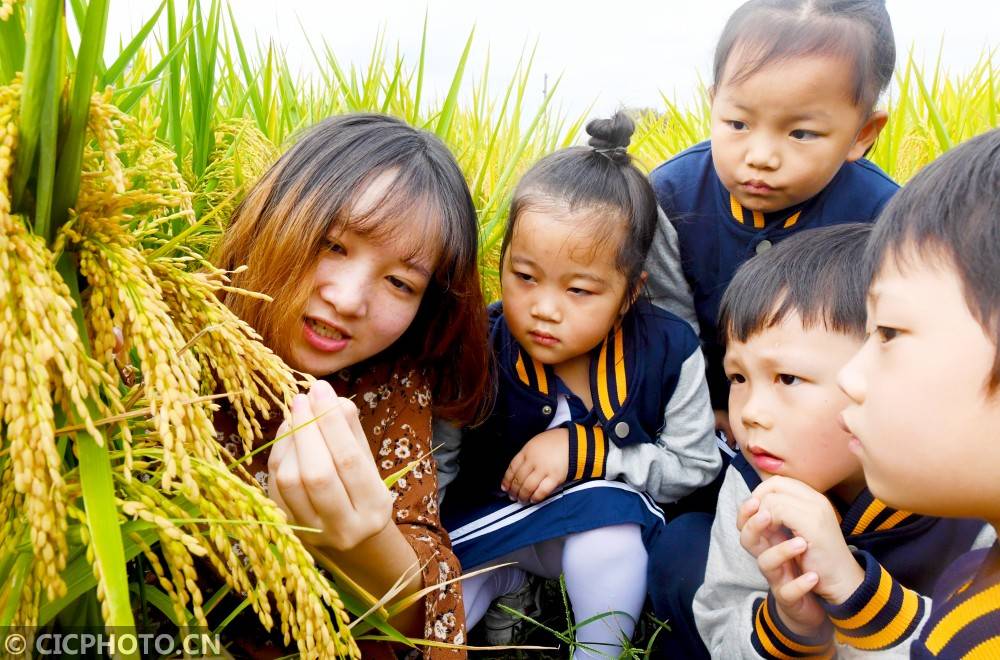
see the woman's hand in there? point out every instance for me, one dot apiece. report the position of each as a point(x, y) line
point(324, 475)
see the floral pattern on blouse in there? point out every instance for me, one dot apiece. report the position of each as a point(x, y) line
point(394, 404)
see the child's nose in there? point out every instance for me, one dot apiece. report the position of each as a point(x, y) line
point(851, 380)
point(754, 413)
point(761, 154)
point(544, 309)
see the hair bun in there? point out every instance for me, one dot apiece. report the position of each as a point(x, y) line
point(610, 137)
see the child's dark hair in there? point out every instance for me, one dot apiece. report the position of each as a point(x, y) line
point(598, 178)
point(766, 31)
point(281, 227)
point(814, 273)
point(949, 213)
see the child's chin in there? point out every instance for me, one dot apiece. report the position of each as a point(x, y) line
point(763, 205)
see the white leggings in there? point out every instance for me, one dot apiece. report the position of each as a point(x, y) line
point(605, 571)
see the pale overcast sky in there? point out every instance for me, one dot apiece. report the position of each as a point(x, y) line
point(611, 53)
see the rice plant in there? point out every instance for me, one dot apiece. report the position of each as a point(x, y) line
point(115, 180)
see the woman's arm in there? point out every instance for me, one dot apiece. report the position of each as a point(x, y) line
point(376, 564)
point(330, 476)
point(324, 477)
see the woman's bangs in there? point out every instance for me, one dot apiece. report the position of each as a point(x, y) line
point(406, 218)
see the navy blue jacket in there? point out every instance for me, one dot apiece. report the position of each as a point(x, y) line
point(716, 234)
point(634, 372)
point(911, 547)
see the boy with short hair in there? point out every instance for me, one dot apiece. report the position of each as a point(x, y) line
point(791, 319)
point(925, 388)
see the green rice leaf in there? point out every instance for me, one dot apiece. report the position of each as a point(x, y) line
point(71, 154)
point(944, 140)
point(11, 45)
point(113, 75)
point(42, 25)
point(443, 128)
point(49, 128)
point(18, 576)
point(136, 92)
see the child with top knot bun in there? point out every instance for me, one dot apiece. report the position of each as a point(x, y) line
point(601, 408)
point(794, 95)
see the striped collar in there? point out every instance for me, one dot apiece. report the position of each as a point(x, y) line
point(870, 514)
point(759, 219)
point(534, 374)
point(611, 367)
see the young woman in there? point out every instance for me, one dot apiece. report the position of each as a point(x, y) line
point(365, 237)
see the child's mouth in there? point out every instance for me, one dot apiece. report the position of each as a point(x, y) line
point(756, 187)
point(543, 338)
point(853, 444)
point(764, 461)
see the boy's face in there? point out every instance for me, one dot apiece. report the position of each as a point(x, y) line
point(927, 429)
point(784, 405)
point(780, 136)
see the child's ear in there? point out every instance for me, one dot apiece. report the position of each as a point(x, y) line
point(867, 135)
point(634, 294)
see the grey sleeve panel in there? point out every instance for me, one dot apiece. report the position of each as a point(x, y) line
point(986, 538)
point(447, 438)
point(667, 287)
point(723, 605)
point(684, 455)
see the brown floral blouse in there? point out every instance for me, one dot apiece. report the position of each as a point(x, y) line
point(394, 402)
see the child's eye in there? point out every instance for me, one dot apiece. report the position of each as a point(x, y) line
point(804, 135)
point(736, 378)
point(788, 379)
point(737, 125)
point(399, 284)
point(579, 292)
point(523, 276)
point(335, 247)
point(884, 334)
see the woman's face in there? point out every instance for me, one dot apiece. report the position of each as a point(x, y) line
point(364, 293)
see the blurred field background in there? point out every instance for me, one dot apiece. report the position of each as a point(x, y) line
point(257, 98)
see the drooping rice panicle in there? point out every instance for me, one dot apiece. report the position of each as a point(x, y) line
point(43, 365)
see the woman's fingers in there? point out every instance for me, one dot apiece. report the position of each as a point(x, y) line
point(279, 448)
point(287, 480)
point(355, 465)
point(353, 417)
point(318, 472)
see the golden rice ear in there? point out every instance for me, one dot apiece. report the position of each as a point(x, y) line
point(167, 468)
point(44, 367)
point(241, 155)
